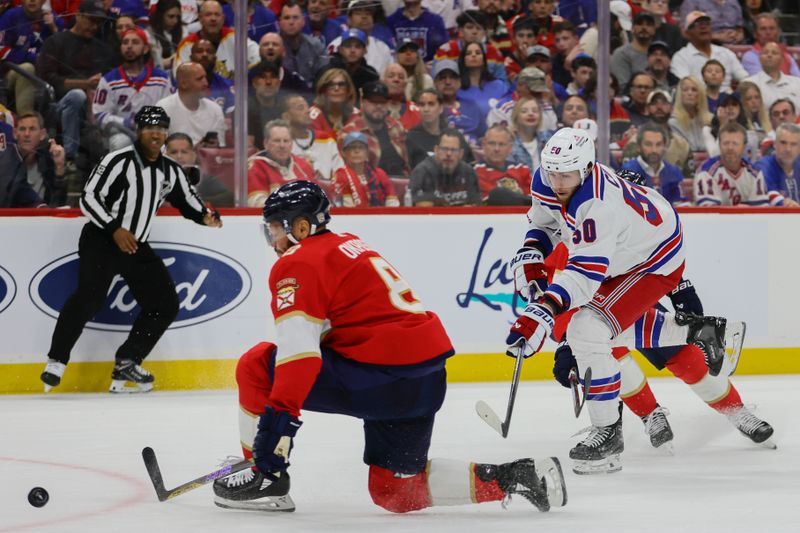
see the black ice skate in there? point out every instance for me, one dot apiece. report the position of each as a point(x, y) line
point(752, 427)
point(658, 429)
point(708, 334)
point(540, 482)
point(125, 371)
point(53, 372)
point(599, 453)
point(251, 490)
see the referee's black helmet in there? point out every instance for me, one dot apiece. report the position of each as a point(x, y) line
point(151, 115)
point(298, 199)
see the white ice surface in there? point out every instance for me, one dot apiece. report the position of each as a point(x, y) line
point(85, 450)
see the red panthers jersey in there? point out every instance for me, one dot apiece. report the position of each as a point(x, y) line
point(514, 177)
point(333, 291)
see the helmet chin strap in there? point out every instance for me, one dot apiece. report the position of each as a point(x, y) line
point(292, 238)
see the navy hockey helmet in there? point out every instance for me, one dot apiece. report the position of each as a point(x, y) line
point(297, 199)
point(632, 176)
point(151, 115)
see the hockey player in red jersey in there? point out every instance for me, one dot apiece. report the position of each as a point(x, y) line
point(353, 339)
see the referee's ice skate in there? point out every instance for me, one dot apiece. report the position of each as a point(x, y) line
point(127, 371)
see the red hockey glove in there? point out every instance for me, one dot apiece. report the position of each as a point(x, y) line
point(530, 276)
point(530, 330)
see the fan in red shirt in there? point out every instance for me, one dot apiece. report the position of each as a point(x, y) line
point(501, 183)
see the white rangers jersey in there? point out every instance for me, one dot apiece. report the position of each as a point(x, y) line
point(611, 227)
point(716, 185)
point(119, 97)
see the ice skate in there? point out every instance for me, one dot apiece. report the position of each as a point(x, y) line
point(658, 429)
point(599, 453)
point(53, 372)
point(125, 371)
point(708, 334)
point(540, 482)
point(752, 427)
point(251, 490)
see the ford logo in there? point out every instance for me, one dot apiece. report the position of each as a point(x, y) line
point(8, 289)
point(209, 284)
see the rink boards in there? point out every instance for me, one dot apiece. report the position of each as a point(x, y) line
point(743, 263)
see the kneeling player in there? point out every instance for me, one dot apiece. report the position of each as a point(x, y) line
point(354, 340)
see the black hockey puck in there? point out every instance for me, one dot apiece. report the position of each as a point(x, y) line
point(38, 497)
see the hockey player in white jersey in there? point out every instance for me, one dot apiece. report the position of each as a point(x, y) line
point(626, 251)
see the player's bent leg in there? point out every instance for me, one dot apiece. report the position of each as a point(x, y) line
point(255, 385)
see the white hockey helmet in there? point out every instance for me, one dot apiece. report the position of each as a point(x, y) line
point(569, 149)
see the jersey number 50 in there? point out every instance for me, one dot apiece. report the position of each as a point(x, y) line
point(399, 291)
point(636, 197)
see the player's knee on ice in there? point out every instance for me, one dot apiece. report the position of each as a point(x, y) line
point(398, 494)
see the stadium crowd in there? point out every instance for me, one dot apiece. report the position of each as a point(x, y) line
point(404, 102)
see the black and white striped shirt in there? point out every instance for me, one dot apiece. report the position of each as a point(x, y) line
point(125, 190)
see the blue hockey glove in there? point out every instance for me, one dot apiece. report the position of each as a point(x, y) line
point(564, 363)
point(273, 442)
point(684, 298)
point(530, 276)
point(530, 330)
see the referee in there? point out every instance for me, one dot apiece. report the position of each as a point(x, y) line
point(121, 199)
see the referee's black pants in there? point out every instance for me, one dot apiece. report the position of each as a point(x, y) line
point(149, 282)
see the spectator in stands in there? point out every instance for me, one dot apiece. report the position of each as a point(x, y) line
point(165, 33)
point(523, 31)
point(754, 110)
point(689, 60)
point(349, 56)
point(690, 113)
point(264, 104)
point(270, 48)
point(464, 115)
point(318, 24)
point(582, 69)
point(334, 102)
point(447, 9)
point(632, 57)
point(542, 13)
point(358, 183)
point(780, 170)
point(23, 31)
point(444, 179)
point(275, 165)
point(412, 21)
point(750, 11)
point(212, 27)
point(567, 48)
point(774, 84)
point(400, 107)
point(191, 112)
point(730, 110)
point(652, 141)
point(727, 23)
point(639, 89)
point(417, 75)
point(421, 139)
point(729, 179)
point(472, 29)
point(114, 39)
point(768, 31)
point(529, 136)
point(713, 74)
point(320, 150)
point(665, 31)
point(387, 138)
point(220, 88)
point(361, 16)
point(32, 172)
point(260, 19)
point(782, 111)
point(477, 83)
point(496, 30)
point(659, 60)
point(620, 127)
point(575, 108)
point(502, 183)
point(73, 62)
point(180, 147)
point(302, 54)
point(123, 91)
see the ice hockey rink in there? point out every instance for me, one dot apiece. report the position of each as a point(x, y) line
point(85, 450)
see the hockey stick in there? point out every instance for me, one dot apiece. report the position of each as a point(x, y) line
point(579, 399)
point(734, 341)
point(488, 415)
point(151, 463)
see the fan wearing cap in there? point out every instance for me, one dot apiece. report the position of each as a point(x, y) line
point(412, 21)
point(360, 16)
point(689, 60)
point(727, 21)
point(358, 183)
point(385, 135)
point(350, 57)
point(659, 60)
point(463, 114)
point(632, 57)
point(127, 88)
point(472, 29)
point(417, 75)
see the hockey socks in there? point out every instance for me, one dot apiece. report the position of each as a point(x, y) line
point(255, 387)
point(634, 389)
point(717, 391)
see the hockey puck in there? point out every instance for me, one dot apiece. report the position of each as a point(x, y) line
point(38, 497)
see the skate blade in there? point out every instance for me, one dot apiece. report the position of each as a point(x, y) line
point(550, 470)
point(666, 449)
point(119, 386)
point(269, 504)
point(768, 444)
point(609, 465)
point(47, 388)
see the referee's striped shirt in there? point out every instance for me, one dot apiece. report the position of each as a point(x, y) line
point(125, 190)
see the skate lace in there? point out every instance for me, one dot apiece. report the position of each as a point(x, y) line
point(55, 368)
point(656, 421)
point(141, 371)
point(596, 435)
point(746, 421)
point(240, 478)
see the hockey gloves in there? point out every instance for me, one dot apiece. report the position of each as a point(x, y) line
point(684, 298)
point(530, 276)
point(273, 442)
point(564, 363)
point(530, 331)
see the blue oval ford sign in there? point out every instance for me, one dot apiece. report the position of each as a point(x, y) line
point(8, 289)
point(209, 284)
